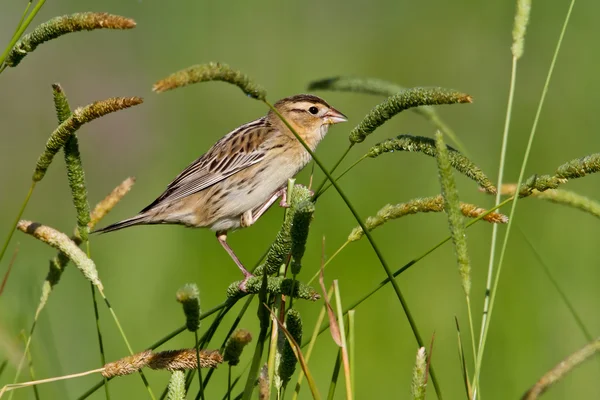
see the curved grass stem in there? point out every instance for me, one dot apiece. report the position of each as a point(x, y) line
point(354, 164)
point(319, 191)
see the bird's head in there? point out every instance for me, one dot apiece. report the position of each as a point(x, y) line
point(309, 115)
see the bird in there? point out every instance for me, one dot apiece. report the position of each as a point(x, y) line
point(243, 174)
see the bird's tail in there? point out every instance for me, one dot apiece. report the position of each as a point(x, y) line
point(139, 219)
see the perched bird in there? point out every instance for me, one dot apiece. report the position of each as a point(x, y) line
point(243, 174)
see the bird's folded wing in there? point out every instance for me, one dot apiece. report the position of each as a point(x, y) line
point(237, 151)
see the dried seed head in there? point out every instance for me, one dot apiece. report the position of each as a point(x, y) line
point(108, 203)
point(127, 365)
point(62, 242)
point(233, 350)
point(172, 360)
point(263, 383)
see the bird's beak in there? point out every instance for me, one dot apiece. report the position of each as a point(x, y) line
point(333, 116)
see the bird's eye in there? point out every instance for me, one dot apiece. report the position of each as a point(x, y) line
point(313, 110)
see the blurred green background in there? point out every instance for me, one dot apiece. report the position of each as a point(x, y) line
point(460, 44)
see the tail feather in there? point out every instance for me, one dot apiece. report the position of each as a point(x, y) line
point(139, 219)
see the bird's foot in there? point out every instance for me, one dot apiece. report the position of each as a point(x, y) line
point(242, 284)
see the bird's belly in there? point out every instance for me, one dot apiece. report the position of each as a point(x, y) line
point(264, 183)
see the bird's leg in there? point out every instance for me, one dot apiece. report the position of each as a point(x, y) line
point(251, 216)
point(283, 203)
point(222, 237)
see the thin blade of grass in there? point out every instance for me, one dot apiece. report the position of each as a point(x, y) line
point(463, 363)
point(7, 273)
point(342, 329)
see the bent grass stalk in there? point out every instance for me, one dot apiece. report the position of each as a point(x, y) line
point(513, 207)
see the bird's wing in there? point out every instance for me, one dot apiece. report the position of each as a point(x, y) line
point(235, 152)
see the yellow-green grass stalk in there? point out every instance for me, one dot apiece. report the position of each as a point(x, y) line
point(493, 292)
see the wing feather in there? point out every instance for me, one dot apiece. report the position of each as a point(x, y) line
point(235, 152)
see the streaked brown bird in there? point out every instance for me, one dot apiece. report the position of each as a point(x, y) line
point(243, 174)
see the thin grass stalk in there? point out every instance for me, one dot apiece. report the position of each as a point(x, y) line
point(11, 263)
point(274, 358)
point(263, 317)
point(124, 337)
point(13, 386)
point(352, 346)
point(36, 394)
point(561, 293)
point(342, 329)
point(311, 345)
point(29, 2)
point(100, 342)
point(17, 219)
point(503, 151)
point(337, 178)
point(229, 387)
point(520, 180)
point(319, 191)
point(463, 363)
point(18, 34)
point(200, 381)
point(334, 375)
point(3, 365)
point(369, 237)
